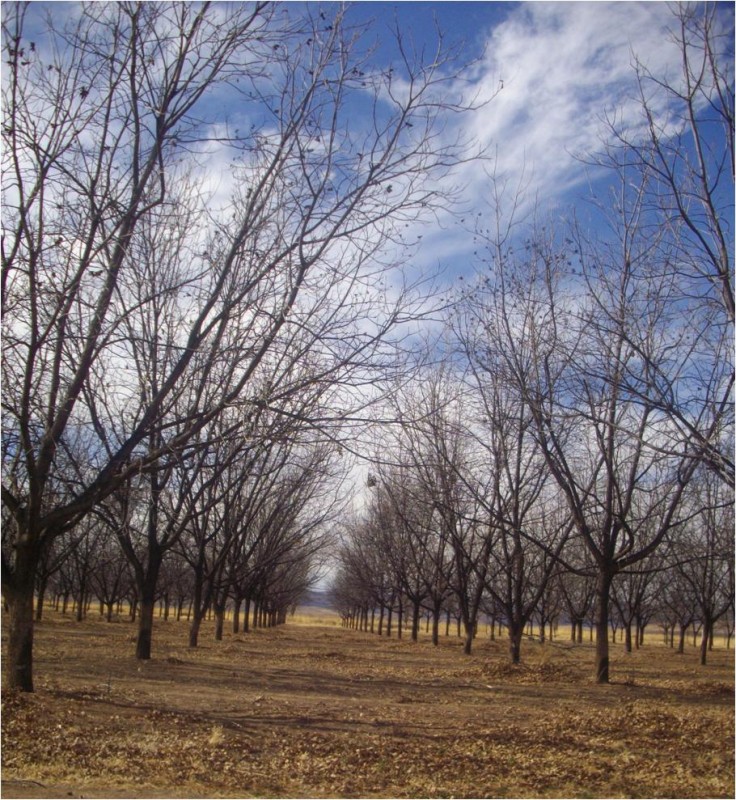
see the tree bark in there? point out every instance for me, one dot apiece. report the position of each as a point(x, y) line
point(603, 595)
point(219, 622)
point(515, 633)
point(40, 597)
point(707, 629)
point(147, 607)
point(18, 590)
point(19, 658)
point(415, 621)
point(436, 625)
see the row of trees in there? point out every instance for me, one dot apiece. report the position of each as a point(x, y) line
point(582, 421)
point(399, 565)
point(162, 328)
point(181, 354)
point(241, 525)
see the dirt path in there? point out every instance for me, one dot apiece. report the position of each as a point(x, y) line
point(307, 711)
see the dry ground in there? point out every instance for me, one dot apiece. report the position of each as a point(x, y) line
point(317, 711)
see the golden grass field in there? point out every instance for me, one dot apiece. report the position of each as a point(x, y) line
point(312, 710)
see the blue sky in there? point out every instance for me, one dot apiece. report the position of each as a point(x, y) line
point(563, 68)
point(550, 73)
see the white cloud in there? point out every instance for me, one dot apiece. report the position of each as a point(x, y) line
point(558, 69)
point(551, 73)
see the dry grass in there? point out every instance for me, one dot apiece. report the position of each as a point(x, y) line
point(311, 710)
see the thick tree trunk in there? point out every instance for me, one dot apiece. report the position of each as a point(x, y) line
point(19, 652)
point(147, 607)
point(603, 595)
point(469, 626)
point(219, 622)
point(144, 641)
point(194, 627)
point(18, 591)
point(515, 634)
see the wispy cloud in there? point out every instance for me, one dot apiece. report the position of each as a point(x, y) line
point(558, 69)
point(551, 73)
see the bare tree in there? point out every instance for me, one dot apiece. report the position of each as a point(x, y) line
point(106, 132)
point(680, 154)
point(562, 343)
point(705, 554)
point(512, 483)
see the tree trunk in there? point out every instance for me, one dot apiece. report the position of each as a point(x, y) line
point(40, 598)
point(603, 594)
point(628, 640)
point(246, 615)
point(436, 624)
point(681, 642)
point(515, 633)
point(707, 629)
point(194, 629)
point(219, 622)
point(147, 606)
point(415, 621)
point(468, 644)
point(237, 601)
point(19, 652)
point(80, 605)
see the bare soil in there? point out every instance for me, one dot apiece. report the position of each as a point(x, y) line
point(318, 711)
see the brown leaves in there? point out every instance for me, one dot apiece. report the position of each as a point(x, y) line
point(328, 713)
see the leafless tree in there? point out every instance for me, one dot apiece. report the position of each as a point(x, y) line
point(679, 153)
point(563, 348)
point(106, 131)
point(704, 554)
